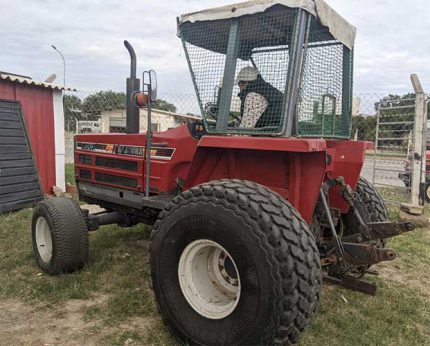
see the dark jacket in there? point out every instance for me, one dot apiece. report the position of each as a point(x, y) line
point(272, 115)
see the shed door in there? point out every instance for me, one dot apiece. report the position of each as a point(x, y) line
point(19, 182)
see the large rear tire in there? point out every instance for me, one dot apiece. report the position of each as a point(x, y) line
point(233, 263)
point(60, 236)
point(372, 208)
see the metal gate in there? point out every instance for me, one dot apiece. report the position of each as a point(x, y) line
point(394, 149)
point(399, 159)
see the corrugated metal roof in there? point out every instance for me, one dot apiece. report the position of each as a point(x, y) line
point(29, 81)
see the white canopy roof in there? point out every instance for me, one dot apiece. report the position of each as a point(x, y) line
point(341, 30)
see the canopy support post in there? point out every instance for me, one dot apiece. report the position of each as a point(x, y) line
point(295, 71)
point(228, 78)
point(346, 89)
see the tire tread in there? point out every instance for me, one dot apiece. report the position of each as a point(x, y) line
point(281, 231)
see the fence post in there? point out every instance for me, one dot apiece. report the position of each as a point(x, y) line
point(419, 157)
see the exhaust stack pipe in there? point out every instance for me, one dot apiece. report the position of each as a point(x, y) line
point(133, 84)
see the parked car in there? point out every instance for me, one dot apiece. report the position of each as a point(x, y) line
point(89, 127)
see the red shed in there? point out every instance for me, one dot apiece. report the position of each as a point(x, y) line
point(42, 105)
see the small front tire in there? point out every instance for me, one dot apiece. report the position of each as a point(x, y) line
point(60, 236)
point(427, 193)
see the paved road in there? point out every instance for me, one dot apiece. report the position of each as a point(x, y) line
point(386, 172)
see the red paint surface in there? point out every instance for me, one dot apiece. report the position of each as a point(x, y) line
point(348, 159)
point(293, 167)
point(38, 109)
point(264, 143)
point(163, 173)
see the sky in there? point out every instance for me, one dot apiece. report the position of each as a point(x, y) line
point(393, 41)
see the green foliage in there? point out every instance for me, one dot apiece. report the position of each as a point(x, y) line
point(398, 121)
point(72, 111)
point(104, 100)
point(164, 106)
point(394, 100)
point(70, 173)
point(365, 127)
point(108, 100)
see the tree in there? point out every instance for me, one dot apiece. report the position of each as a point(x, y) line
point(103, 100)
point(72, 111)
point(164, 106)
point(394, 100)
point(398, 122)
point(365, 127)
point(108, 100)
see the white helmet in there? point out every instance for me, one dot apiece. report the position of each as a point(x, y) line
point(247, 74)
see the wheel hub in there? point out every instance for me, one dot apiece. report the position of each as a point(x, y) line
point(209, 279)
point(43, 239)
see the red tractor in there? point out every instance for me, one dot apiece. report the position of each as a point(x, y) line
point(252, 206)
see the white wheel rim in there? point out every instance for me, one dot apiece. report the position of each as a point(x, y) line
point(43, 239)
point(428, 192)
point(209, 279)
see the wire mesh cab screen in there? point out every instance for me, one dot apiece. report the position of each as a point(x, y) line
point(257, 75)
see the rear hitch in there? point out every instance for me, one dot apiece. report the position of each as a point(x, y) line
point(359, 249)
point(366, 254)
point(385, 230)
point(381, 230)
point(370, 230)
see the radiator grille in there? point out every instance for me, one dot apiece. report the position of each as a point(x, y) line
point(116, 163)
point(85, 159)
point(84, 174)
point(116, 180)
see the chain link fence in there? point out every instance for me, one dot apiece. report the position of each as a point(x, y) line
point(385, 120)
point(94, 105)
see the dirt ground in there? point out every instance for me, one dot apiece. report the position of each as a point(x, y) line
point(25, 324)
point(22, 324)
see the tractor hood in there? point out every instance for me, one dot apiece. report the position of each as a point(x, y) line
point(338, 27)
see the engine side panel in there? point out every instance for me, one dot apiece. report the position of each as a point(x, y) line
point(293, 167)
point(118, 160)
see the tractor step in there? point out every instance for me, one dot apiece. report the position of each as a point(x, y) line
point(157, 202)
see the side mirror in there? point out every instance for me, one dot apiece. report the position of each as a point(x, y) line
point(150, 82)
point(153, 85)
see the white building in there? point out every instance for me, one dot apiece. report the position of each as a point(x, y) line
point(115, 120)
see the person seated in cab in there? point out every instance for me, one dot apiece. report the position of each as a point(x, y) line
point(261, 102)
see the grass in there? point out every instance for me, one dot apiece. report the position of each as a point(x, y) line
point(70, 173)
point(122, 307)
point(398, 315)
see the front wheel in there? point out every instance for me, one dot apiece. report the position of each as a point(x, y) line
point(60, 236)
point(427, 192)
point(233, 263)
